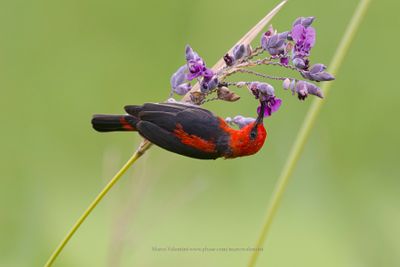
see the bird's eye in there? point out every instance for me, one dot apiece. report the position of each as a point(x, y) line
point(253, 134)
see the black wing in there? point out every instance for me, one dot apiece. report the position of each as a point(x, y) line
point(134, 110)
point(194, 120)
point(159, 123)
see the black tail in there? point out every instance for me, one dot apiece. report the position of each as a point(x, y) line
point(114, 123)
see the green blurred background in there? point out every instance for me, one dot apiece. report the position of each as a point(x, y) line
point(62, 61)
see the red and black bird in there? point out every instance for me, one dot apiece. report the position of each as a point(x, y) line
point(187, 130)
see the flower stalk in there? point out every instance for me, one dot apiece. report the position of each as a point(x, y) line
point(139, 152)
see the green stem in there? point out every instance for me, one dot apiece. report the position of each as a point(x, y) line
point(93, 205)
point(306, 128)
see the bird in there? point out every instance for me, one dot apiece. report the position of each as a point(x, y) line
point(186, 129)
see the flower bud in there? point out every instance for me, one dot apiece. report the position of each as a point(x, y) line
point(314, 90)
point(304, 88)
point(229, 60)
point(317, 68)
point(225, 94)
point(301, 89)
point(208, 85)
point(297, 21)
point(262, 88)
point(241, 84)
point(208, 74)
point(190, 54)
point(274, 43)
point(306, 22)
point(178, 80)
point(266, 89)
point(318, 74)
point(324, 77)
point(292, 86)
point(286, 83)
point(299, 63)
point(284, 35)
point(179, 76)
point(238, 51)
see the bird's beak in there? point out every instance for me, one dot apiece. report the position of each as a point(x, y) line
point(260, 116)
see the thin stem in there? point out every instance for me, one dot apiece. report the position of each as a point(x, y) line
point(256, 52)
point(306, 128)
point(264, 75)
point(272, 63)
point(145, 145)
point(265, 61)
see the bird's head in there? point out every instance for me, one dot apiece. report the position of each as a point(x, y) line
point(249, 139)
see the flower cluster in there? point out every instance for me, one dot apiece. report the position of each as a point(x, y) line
point(195, 68)
point(303, 36)
point(289, 49)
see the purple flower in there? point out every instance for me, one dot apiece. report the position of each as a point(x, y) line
point(178, 81)
point(239, 51)
point(316, 68)
point(272, 104)
point(229, 60)
point(197, 68)
point(274, 43)
point(303, 89)
point(304, 39)
point(317, 73)
point(303, 36)
point(305, 21)
point(209, 82)
point(190, 54)
point(207, 74)
point(207, 85)
point(260, 89)
point(195, 64)
point(266, 94)
point(300, 63)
